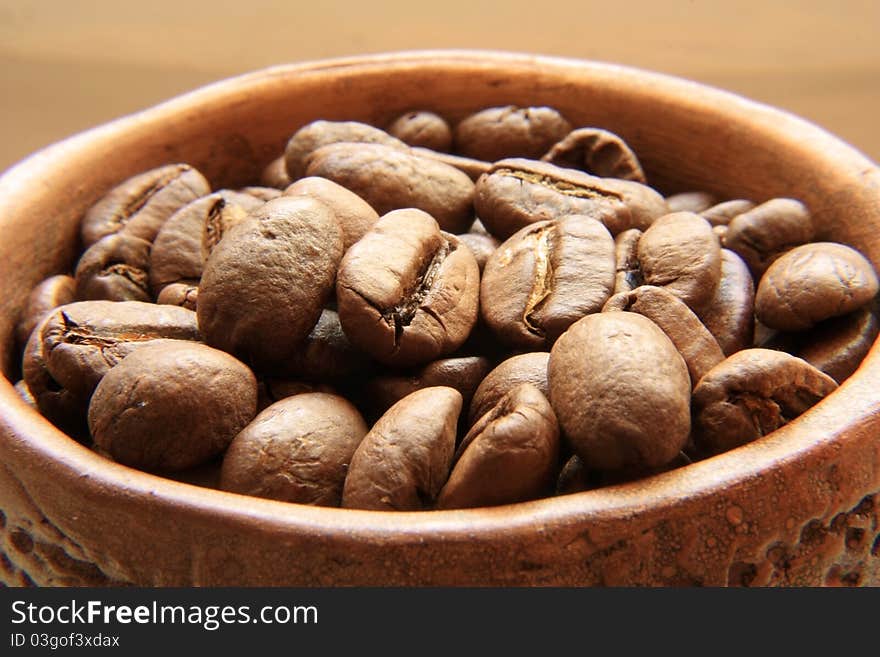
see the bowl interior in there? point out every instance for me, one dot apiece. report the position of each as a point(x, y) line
point(687, 137)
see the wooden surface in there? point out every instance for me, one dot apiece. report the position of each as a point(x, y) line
point(66, 66)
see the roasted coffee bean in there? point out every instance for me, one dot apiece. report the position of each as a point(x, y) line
point(752, 393)
point(510, 454)
point(545, 277)
point(722, 214)
point(523, 368)
point(518, 192)
point(812, 283)
point(463, 373)
point(325, 355)
point(482, 246)
point(296, 450)
point(404, 460)
point(142, 203)
point(499, 132)
point(628, 271)
point(75, 345)
point(730, 315)
point(467, 165)
point(693, 340)
point(115, 268)
point(691, 202)
point(184, 294)
point(837, 346)
point(679, 252)
point(44, 298)
point(354, 214)
point(316, 134)
point(422, 128)
point(597, 152)
point(261, 193)
point(764, 233)
point(172, 405)
point(275, 174)
point(407, 293)
point(620, 390)
point(389, 178)
point(187, 238)
point(265, 283)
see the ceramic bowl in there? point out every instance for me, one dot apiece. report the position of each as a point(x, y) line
point(798, 507)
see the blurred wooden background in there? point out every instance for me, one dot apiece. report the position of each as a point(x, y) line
point(67, 66)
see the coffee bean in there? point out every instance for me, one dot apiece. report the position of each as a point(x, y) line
point(172, 405)
point(812, 283)
point(730, 315)
point(44, 298)
point(296, 450)
point(765, 232)
point(407, 293)
point(404, 460)
point(679, 252)
point(115, 268)
point(620, 390)
point(265, 283)
point(517, 192)
point(510, 454)
point(597, 152)
point(482, 247)
point(389, 178)
point(723, 213)
point(354, 214)
point(693, 340)
point(142, 203)
point(422, 128)
point(500, 132)
point(184, 294)
point(523, 368)
point(752, 393)
point(545, 277)
point(275, 174)
point(316, 134)
point(188, 236)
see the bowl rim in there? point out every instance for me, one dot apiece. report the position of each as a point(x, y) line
point(71, 460)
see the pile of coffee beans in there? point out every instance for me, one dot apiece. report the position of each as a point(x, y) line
point(434, 316)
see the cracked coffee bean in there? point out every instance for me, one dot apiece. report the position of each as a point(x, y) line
point(186, 240)
point(544, 278)
point(628, 271)
point(597, 152)
point(621, 391)
point(751, 394)
point(115, 268)
point(510, 455)
point(389, 178)
point(812, 283)
point(407, 293)
point(296, 450)
point(837, 346)
point(496, 133)
point(404, 460)
point(265, 283)
point(172, 405)
point(141, 204)
point(518, 192)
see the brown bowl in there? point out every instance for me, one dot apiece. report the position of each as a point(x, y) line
point(798, 507)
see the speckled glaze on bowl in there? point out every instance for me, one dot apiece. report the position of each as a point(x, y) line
point(799, 507)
